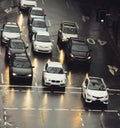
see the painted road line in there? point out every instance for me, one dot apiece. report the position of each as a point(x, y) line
point(44, 109)
point(32, 109)
point(2, 80)
point(111, 111)
point(67, 5)
point(43, 2)
point(78, 110)
point(61, 109)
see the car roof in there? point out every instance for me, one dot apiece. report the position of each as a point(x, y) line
point(54, 64)
point(43, 33)
point(17, 40)
point(37, 8)
point(78, 41)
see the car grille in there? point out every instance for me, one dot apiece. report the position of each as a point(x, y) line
point(55, 81)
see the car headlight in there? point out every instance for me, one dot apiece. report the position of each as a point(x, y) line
point(14, 74)
point(5, 37)
point(88, 95)
point(46, 79)
point(63, 81)
point(71, 55)
point(89, 57)
point(29, 75)
point(106, 97)
point(36, 46)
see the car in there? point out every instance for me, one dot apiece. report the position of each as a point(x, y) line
point(37, 25)
point(54, 75)
point(14, 46)
point(36, 12)
point(20, 69)
point(27, 4)
point(41, 42)
point(10, 30)
point(94, 89)
point(77, 51)
point(67, 29)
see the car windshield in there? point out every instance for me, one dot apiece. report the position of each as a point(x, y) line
point(79, 48)
point(69, 30)
point(55, 70)
point(17, 45)
point(43, 38)
point(97, 85)
point(11, 29)
point(39, 24)
point(21, 64)
point(37, 12)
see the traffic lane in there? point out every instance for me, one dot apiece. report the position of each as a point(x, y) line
point(38, 97)
point(42, 118)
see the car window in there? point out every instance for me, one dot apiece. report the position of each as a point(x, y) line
point(39, 24)
point(78, 47)
point(16, 45)
point(11, 29)
point(43, 38)
point(69, 30)
point(55, 70)
point(37, 12)
point(96, 85)
point(21, 64)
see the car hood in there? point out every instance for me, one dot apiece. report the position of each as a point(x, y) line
point(70, 35)
point(27, 2)
point(97, 93)
point(35, 29)
point(16, 50)
point(43, 44)
point(80, 54)
point(55, 76)
point(22, 71)
point(11, 35)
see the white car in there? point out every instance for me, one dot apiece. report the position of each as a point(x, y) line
point(41, 42)
point(27, 4)
point(10, 30)
point(94, 89)
point(53, 75)
point(36, 12)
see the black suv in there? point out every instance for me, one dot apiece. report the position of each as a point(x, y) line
point(20, 69)
point(14, 46)
point(67, 29)
point(77, 51)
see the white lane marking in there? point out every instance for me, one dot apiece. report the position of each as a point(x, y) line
point(112, 69)
point(2, 80)
point(64, 109)
point(0, 50)
point(78, 110)
point(28, 109)
point(101, 42)
point(111, 111)
point(83, 125)
point(43, 2)
point(67, 5)
point(49, 23)
point(90, 41)
point(44, 109)
point(61, 109)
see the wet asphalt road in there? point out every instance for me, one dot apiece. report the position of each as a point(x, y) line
point(35, 106)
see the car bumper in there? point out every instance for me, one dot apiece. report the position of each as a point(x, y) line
point(102, 100)
point(80, 60)
point(54, 84)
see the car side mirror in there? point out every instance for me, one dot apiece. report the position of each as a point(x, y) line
point(59, 30)
point(1, 29)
